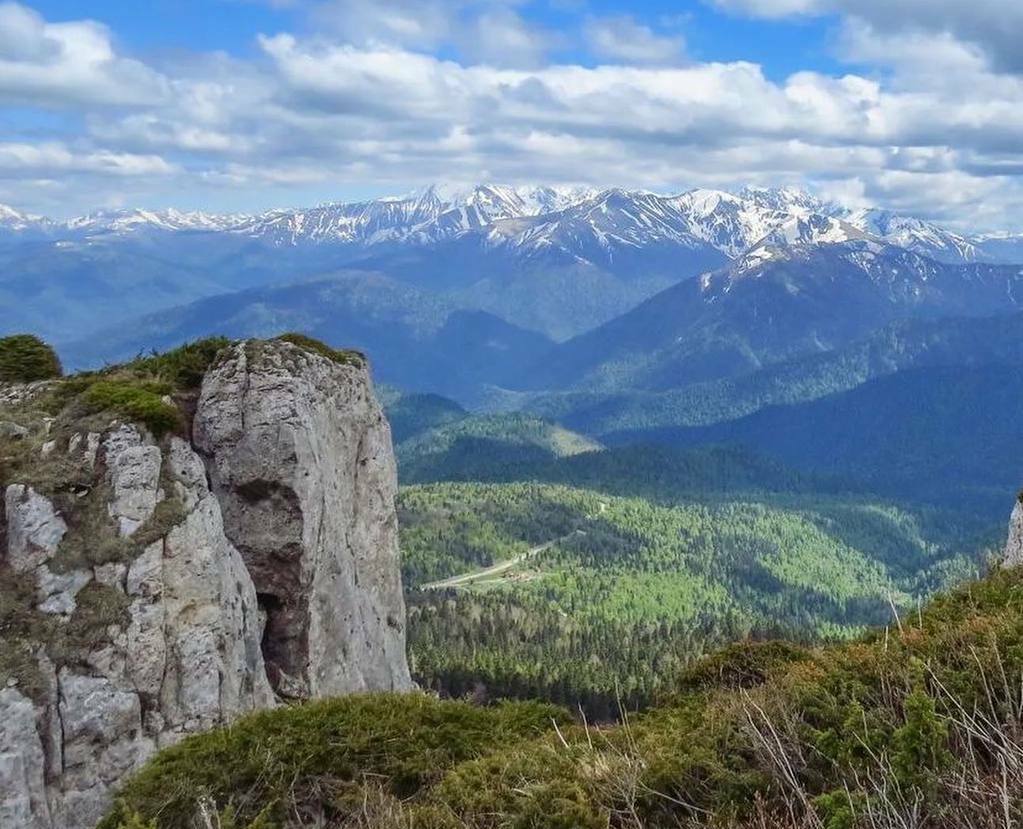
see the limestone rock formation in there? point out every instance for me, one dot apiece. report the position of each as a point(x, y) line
point(299, 453)
point(156, 605)
point(1014, 546)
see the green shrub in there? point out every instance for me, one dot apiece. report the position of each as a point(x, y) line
point(142, 402)
point(182, 367)
point(299, 757)
point(741, 665)
point(24, 358)
point(346, 357)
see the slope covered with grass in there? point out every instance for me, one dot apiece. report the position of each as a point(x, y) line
point(915, 725)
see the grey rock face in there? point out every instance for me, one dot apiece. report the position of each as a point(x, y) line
point(134, 466)
point(215, 667)
point(187, 657)
point(281, 575)
point(22, 765)
point(12, 430)
point(1014, 546)
point(34, 529)
point(300, 457)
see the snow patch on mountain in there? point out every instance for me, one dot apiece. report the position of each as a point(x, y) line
point(574, 223)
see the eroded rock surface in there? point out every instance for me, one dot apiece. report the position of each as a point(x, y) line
point(281, 576)
point(299, 453)
point(1014, 546)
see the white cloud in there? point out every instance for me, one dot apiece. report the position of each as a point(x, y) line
point(67, 64)
point(500, 36)
point(421, 24)
point(481, 31)
point(621, 38)
point(372, 109)
point(53, 157)
point(993, 26)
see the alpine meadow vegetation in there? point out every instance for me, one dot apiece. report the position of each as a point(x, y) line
point(918, 724)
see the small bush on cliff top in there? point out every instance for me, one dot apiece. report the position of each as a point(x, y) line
point(139, 390)
point(346, 357)
point(184, 366)
point(25, 358)
point(143, 403)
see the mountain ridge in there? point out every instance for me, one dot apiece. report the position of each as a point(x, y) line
point(729, 221)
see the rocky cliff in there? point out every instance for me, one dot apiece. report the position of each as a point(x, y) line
point(152, 587)
point(1014, 546)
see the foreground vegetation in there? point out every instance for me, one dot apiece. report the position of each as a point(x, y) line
point(916, 725)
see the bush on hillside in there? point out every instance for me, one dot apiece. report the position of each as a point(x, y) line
point(24, 358)
point(184, 366)
point(140, 402)
point(312, 758)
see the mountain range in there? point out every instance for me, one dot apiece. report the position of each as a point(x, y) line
point(566, 220)
point(604, 308)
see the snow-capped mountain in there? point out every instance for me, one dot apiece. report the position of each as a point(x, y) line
point(422, 217)
point(602, 223)
point(116, 222)
point(797, 232)
point(917, 235)
point(14, 222)
point(574, 223)
point(129, 221)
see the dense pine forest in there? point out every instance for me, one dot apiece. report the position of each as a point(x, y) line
point(628, 593)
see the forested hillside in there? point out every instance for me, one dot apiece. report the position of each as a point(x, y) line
point(945, 434)
point(902, 345)
point(609, 596)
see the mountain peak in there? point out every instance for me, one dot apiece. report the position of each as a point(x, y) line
point(529, 218)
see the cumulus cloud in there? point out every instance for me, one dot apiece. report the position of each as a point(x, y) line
point(346, 107)
point(621, 38)
point(67, 64)
point(994, 26)
point(480, 31)
point(18, 159)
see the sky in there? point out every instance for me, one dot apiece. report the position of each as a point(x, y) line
point(244, 105)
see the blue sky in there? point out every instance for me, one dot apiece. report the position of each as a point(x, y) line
point(782, 46)
point(242, 105)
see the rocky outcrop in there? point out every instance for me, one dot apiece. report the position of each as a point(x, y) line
point(22, 765)
point(1014, 546)
point(299, 454)
point(160, 605)
point(183, 655)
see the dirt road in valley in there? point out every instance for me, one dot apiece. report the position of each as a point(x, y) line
point(495, 569)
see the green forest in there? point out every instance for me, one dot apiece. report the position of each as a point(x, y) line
point(629, 592)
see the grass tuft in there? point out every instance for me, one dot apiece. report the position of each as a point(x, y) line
point(345, 357)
